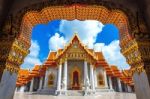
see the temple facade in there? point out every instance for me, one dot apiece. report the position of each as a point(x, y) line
point(74, 69)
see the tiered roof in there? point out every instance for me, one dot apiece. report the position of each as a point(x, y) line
point(25, 75)
point(127, 78)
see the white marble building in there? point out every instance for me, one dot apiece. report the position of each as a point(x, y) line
point(75, 69)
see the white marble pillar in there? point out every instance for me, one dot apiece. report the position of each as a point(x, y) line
point(129, 88)
point(141, 85)
point(59, 78)
point(92, 77)
point(110, 83)
point(65, 76)
point(41, 82)
point(119, 84)
point(16, 90)
point(46, 80)
point(22, 89)
point(126, 88)
point(86, 78)
point(105, 78)
point(31, 85)
point(95, 78)
point(8, 85)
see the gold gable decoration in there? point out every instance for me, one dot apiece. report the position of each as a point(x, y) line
point(76, 50)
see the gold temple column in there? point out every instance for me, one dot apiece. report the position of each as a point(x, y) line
point(31, 85)
point(15, 58)
point(137, 56)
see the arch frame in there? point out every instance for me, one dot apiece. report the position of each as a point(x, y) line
point(14, 24)
point(75, 68)
point(38, 7)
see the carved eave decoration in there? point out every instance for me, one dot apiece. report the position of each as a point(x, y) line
point(77, 45)
point(45, 4)
point(80, 12)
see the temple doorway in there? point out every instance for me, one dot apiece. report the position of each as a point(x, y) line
point(75, 84)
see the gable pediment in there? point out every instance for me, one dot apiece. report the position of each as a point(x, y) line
point(76, 50)
point(75, 47)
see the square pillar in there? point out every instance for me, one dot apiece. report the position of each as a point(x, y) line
point(59, 80)
point(64, 82)
point(22, 88)
point(41, 82)
point(105, 78)
point(31, 85)
point(86, 79)
point(95, 78)
point(129, 88)
point(119, 84)
point(46, 80)
point(110, 83)
point(92, 77)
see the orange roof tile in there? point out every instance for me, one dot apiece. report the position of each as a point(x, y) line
point(116, 71)
point(99, 55)
point(59, 51)
point(52, 55)
point(91, 50)
point(36, 68)
point(109, 71)
point(23, 77)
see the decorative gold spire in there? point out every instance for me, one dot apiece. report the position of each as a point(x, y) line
point(75, 30)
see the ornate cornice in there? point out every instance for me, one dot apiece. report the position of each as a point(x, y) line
point(39, 6)
point(138, 70)
point(16, 57)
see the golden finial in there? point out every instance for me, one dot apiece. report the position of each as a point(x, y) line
point(57, 47)
point(87, 44)
point(75, 31)
point(64, 44)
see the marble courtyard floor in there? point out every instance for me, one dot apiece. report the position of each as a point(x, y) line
point(103, 95)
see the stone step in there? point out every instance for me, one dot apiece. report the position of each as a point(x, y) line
point(104, 90)
point(46, 91)
point(75, 93)
point(72, 92)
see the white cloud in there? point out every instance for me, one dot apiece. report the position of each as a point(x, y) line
point(87, 30)
point(56, 42)
point(32, 57)
point(112, 54)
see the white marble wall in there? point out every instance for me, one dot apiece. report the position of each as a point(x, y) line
point(142, 87)
point(7, 85)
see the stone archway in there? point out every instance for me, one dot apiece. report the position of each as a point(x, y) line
point(133, 47)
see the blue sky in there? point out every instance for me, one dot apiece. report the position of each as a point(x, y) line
point(57, 33)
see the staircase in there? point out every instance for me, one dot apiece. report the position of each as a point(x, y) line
point(46, 91)
point(75, 92)
point(100, 91)
point(104, 90)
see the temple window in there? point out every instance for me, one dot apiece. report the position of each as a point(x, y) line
point(51, 79)
point(100, 79)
